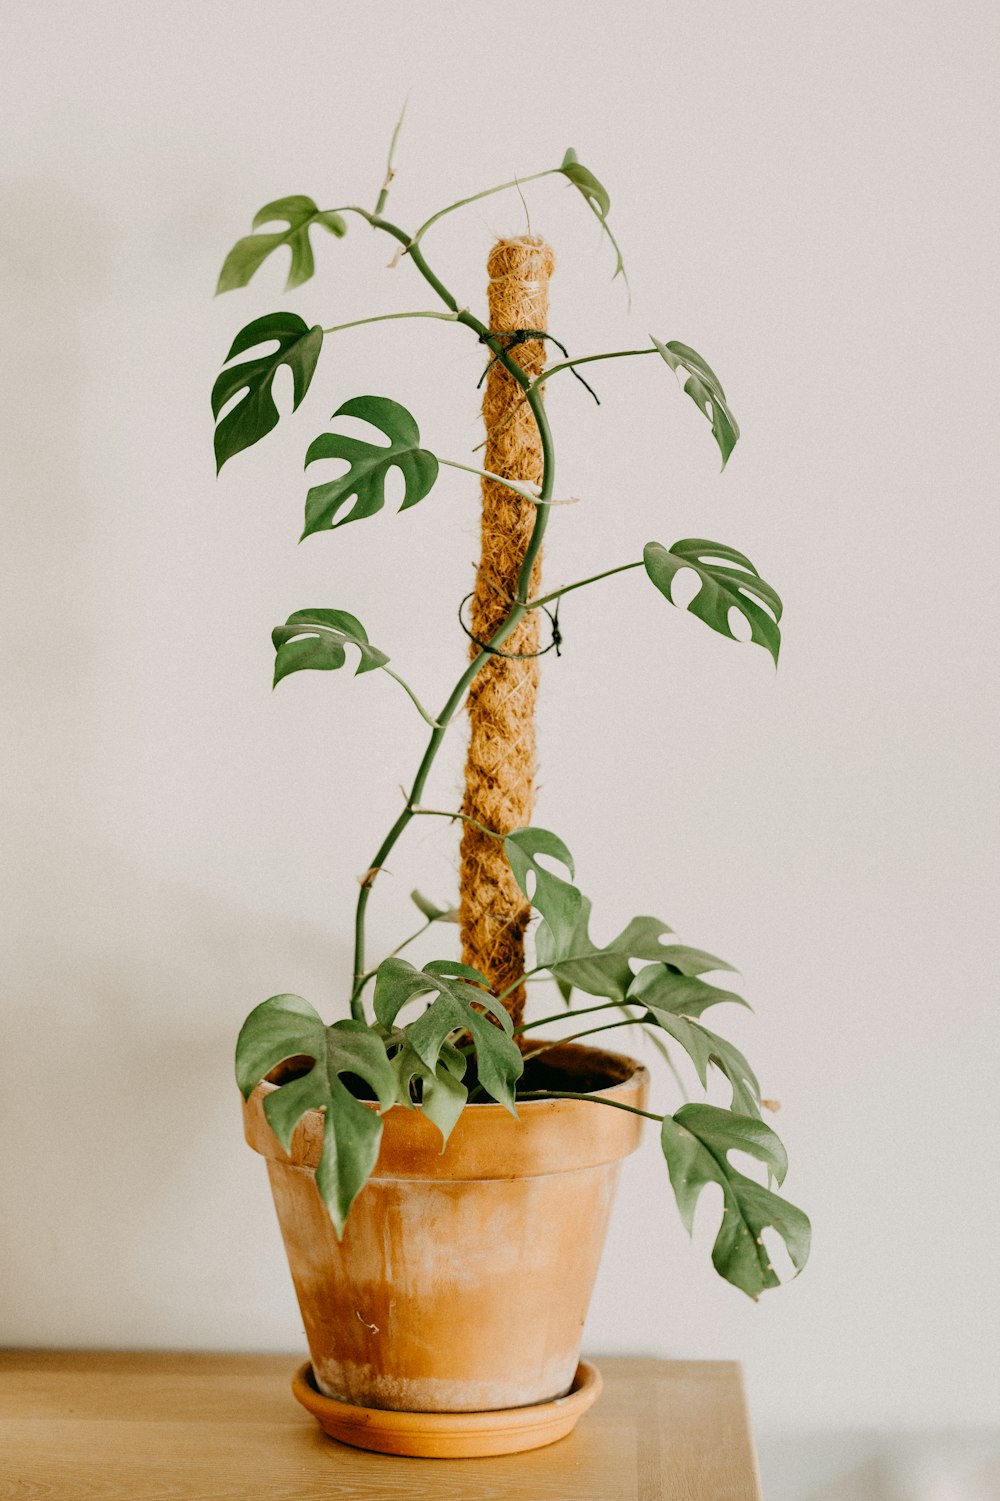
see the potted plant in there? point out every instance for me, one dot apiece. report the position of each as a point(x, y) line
point(442, 1170)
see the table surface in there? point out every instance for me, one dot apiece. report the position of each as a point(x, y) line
point(100, 1426)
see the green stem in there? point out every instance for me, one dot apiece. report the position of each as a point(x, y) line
point(544, 599)
point(465, 818)
point(518, 609)
point(528, 974)
point(588, 359)
point(561, 1016)
point(413, 698)
point(475, 197)
point(575, 1036)
point(488, 474)
point(390, 166)
point(388, 318)
point(565, 1094)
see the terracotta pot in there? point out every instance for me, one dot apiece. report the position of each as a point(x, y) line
point(463, 1277)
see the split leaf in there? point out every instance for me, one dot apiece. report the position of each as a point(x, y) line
point(255, 414)
point(370, 463)
point(248, 254)
point(705, 390)
point(559, 902)
point(723, 587)
point(696, 1142)
point(318, 639)
point(462, 997)
point(600, 971)
point(442, 1092)
point(286, 1026)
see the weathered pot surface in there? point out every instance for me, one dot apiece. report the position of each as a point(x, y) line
point(463, 1278)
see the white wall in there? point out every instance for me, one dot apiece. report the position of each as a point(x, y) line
point(801, 192)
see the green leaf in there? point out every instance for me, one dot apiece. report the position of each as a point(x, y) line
point(704, 1047)
point(600, 971)
point(369, 465)
point(255, 414)
point(431, 910)
point(285, 1027)
point(442, 1092)
point(459, 1006)
point(319, 638)
point(705, 390)
point(299, 213)
point(696, 1142)
point(661, 986)
point(596, 197)
point(595, 194)
point(722, 588)
point(559, 902)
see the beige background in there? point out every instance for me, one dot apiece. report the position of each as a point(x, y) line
point(801, 191)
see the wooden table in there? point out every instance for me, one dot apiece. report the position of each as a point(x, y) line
point(93, 1426)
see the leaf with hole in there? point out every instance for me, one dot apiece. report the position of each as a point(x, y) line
point(248, 255)
point(459, 1006)
point(319, 639)
point(286, 1026)
point(705, 390)
point(600, 971)
point(255, 414)
point(559, 902)
point(704, 1047)
point(696, 1142)
point(728, 580)
point(370, 464)
point(442, 1091)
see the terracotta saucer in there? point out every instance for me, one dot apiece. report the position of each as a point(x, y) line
point(450, 1435)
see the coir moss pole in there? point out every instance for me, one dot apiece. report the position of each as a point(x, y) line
point(500, 768)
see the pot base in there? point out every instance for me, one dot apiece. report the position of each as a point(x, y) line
point(450, 1435)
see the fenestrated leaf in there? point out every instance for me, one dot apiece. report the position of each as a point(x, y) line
point(248, 254)
point(600, 971)
point(559, 902)
point(459, 1004)
point(696, 1142)
point(704, 1047)
point(723, 588)
point(370, 463)
point(255, 414)
point(318, 639)
point(286, 1026)
point(442, 1092)
point(705, 390)
point(596, 197)
point(431, 910)
point(685, 995)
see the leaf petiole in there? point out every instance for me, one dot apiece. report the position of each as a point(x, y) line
point(388, 318)
point(544, 599)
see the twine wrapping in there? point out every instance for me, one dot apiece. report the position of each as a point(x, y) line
point(500, 766)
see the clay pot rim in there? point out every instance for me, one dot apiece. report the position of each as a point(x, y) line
point(547, 1135)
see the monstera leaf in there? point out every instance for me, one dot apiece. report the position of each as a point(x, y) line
point(442, 1092)
point(696, 1143)
point(255, 414)
point(300, 214)
point(600, 971)
point(370, 463)
point(704, 1047)
point(667, 989)
point(559, 903)
point(319, 638)
point(595, 196)
point(459, 1006)
point(286, 1026)
point(723, 587)
point(705, 390)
